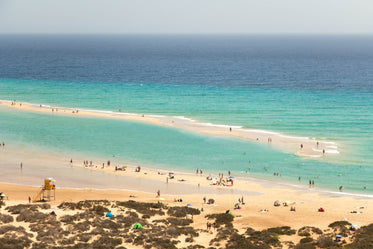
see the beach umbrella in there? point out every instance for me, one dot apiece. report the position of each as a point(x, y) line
point(189, 205)
point(161, 199)
point(108, 214)
point(137, 226)
point(338, 236)
point(232, 177)
point(356, 226)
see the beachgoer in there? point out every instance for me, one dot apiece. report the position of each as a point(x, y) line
point(71, 160)
point(29, 199)
point(323, 151)
point(229, 172)
point(230, 128)
point(317, 144)
point(298, 178)
point(158, 193)
point(313, 182)
point(301, 146)
point(21, 166)
point(204, 199)
point(340, 188)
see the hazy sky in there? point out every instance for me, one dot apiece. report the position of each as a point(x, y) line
point(186, 16)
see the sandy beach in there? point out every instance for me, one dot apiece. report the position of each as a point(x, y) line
point(306, 201)
point(256, 197)
point(257, 212)
point(302, 146)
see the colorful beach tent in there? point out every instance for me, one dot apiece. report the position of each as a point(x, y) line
point(137, 226)
point(229, 212)
point(108, 214)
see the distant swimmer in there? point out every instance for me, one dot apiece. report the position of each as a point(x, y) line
point(340, 188)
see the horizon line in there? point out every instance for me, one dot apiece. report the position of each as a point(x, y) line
point(200, 34)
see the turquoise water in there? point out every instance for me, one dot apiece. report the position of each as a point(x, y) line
point(292, 112)
point(343, 116)
point(313, 86)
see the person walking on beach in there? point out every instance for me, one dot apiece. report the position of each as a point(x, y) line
point(204, 199)
point(29, 199)
point(158, 193)
point(340, 188)
point(21, 166)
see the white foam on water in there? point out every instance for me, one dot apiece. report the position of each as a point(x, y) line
point(332, 151)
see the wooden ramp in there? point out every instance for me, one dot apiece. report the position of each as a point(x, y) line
point(38, 195)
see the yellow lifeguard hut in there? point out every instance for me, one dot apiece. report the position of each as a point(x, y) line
point(47, 191)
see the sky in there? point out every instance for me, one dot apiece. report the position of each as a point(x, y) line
point(187, 16)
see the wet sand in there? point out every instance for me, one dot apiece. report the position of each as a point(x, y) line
point(302, 146)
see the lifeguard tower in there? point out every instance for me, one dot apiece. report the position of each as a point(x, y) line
point(47, 191)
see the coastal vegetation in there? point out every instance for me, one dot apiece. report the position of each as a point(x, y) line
point(155, 225)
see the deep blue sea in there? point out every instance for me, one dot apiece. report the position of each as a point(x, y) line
point(313, 86)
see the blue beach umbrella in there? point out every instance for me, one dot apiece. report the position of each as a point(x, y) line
point(108, 214)
point(232, 177)
point(189, 205)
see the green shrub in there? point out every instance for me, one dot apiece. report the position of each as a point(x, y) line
point(179, 222)
point(222, 219)
point(305, 246)
point(306, 240)
point(363, 238)
point(4, 218)
point(182, 211)
point(325, 242)
point(106, 242)
point(143, 208)
point(339, 224)
point(19, 242)
point(307, 231)
point(27, 215)
point(284, 230)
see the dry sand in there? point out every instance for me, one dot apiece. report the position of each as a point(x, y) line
point(306, 201)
